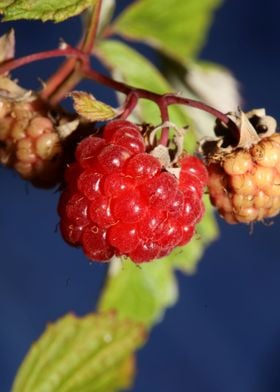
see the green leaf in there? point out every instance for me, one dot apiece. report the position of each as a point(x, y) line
point(91, 109)
point(176, 27)
point(92, 353)
point(132, 68)
point(56, 10)
point(139, 293)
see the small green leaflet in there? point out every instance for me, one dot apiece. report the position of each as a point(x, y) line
point(55, 10)
point(91, 353)
point(176, 27)
point(91, 109)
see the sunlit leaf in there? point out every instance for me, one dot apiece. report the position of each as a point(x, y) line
point(92, 353)
point(176, 27)
point(91, 109)
point(56, 10)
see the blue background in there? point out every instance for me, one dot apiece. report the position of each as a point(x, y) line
point(224, 333)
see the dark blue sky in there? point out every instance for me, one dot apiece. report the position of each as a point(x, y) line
point(224, 333)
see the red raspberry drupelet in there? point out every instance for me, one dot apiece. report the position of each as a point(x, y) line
point(120, 201)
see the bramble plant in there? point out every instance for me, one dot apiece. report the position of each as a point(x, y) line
point(133, 178)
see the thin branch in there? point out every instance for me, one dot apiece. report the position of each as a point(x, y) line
point(92, 28)
point(84, 70)
point(67, 75)
point(10, 65)
point(160, 100)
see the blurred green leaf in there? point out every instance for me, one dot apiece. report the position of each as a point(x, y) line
point(176, 27)
point(92, 353)
point(133, 68)
point(140, 293)
point(56, 10)
point(206, 82)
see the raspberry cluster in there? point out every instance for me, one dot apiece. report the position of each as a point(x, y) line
point(120, 201)
point(245, 184)
point(29, 142)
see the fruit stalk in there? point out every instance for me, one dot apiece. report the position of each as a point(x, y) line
point(163, 101)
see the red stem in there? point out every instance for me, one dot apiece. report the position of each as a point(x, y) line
point(161, 100)
point(163, 107)
point(129, 105)
point(133, 93)
point(9, 65)
point(67, 75)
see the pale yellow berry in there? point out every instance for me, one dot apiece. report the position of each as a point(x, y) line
point(246, 215)
point(263, 177)
point(238, 163)
point(265, 153)
point(243, 184)
point(261, 200)
point(5, 108)
point(47, 145)
point(5, 128)
point(270, 213)
point(275, 202)
point(24, 169)
point(18, 129)
point(38, 125)
point(24, 151)
point(224, 202)
point(276, 138)
point(239, 200)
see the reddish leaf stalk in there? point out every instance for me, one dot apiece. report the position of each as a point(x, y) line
point(10, 65)
point(129, 105)
point(133, 93)
point(68, 74)
point(163, 101)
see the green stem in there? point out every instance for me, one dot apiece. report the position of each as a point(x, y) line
point(91, 31)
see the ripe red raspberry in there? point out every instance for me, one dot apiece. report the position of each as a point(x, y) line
point(120, 201)
point(29, 142)
point(244, 182)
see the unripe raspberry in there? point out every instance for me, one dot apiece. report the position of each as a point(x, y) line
point(244, 180)
point(119, 200)
point(29, 142)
